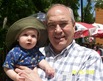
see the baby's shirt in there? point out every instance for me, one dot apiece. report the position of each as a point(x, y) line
point(20, 56)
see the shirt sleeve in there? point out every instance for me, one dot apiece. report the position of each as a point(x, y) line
point(9, 61)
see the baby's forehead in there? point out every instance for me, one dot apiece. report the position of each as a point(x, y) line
point(29, 29)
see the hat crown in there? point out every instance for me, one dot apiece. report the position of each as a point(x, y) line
point(24, 23)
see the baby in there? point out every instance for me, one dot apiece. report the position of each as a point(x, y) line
point(25, 34)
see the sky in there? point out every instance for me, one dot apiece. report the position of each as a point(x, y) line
point(84, 4)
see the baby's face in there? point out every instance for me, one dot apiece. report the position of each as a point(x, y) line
point(28, 38)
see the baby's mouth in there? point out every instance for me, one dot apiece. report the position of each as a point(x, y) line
point(28, 43)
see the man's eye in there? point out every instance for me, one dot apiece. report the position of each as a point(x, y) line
point(63, 24)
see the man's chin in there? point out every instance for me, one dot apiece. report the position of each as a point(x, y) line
point(60, 44)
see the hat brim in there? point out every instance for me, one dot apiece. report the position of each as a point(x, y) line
point(28, 22)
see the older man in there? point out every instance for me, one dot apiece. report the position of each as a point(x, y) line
point(71, 61)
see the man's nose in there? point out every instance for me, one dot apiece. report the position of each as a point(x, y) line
point(58, 28)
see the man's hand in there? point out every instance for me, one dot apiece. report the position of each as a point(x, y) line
point(28, 74)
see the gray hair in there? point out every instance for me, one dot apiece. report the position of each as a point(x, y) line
point(70, 10)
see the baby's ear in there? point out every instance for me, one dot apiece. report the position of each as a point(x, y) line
point(17, 40)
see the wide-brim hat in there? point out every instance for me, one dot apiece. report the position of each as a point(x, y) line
point(24, 23)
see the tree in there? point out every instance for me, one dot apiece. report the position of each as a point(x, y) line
point(99, 3)
point(16, 9)
point(88, 14)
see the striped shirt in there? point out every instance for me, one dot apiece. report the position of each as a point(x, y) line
point(74, 63)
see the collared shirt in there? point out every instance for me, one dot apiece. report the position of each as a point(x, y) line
point(74, 63)
point(21, 56)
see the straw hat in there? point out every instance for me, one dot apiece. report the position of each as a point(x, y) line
point(24, 23)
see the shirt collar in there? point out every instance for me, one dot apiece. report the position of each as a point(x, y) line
point(63, 51)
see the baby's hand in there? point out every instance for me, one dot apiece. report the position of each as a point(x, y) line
point(50, 72)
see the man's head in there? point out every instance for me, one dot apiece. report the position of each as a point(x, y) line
point(60, 26)
point(70, 11)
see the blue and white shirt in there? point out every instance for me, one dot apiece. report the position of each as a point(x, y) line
point(76, 63)
point(20, 56)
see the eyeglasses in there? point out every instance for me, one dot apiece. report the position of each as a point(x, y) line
point(61, 24)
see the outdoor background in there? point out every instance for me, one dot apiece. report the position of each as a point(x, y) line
point(12, 10)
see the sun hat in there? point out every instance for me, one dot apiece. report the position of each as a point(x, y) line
point(24, 23)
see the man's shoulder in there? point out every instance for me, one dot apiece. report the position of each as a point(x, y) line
point(81, 48)
point(14, 49)
point(43, 49)
point(84, 49)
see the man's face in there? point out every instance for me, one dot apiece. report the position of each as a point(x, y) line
point(60, 28)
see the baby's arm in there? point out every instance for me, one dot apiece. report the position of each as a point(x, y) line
point(13, 75)
point(43, 64)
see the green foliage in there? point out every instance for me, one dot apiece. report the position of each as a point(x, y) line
point(16, 9)
point(88, 16)
point(2, 37)
point(99, 3)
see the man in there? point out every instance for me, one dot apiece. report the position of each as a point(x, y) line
point(71, 61)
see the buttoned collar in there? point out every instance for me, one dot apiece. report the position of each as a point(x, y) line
point(64, 52)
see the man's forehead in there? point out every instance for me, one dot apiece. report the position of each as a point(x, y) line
point(58, 22)
point(61, 18)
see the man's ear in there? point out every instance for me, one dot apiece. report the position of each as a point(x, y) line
point(74, 27)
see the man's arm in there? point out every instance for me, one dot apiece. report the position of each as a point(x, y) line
point(28, 74)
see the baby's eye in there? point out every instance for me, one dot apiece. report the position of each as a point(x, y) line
point(33, 36)
point(25, 34)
